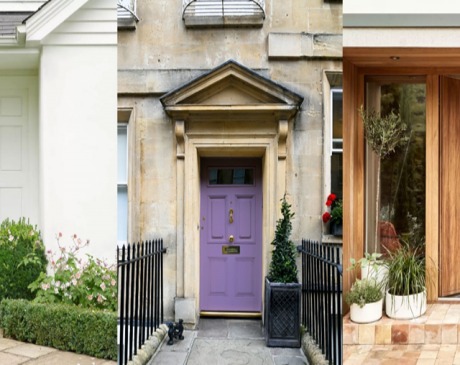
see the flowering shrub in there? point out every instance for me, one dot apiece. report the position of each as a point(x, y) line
point(22, 258)
point(336, 206)
point(88, 284)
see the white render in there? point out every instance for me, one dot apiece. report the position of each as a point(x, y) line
point(67, 53)
point(401, 7)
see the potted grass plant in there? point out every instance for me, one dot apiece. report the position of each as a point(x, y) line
point(407, 277)
point(282, 287)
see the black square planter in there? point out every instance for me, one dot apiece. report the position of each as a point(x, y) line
point(282, 314)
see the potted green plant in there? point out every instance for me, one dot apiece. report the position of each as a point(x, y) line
point(384, 135)
point(336, 215)
point(282, 288)
point(372, 267)
point(365, 299)
point(407, 278)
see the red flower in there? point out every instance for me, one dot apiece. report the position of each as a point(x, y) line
point(328, 203)
point(326, 217)
point(331, 197)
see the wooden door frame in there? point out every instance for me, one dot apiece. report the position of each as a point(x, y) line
point(357, 63)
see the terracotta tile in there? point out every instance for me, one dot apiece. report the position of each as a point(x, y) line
point(448, 348)
point(444, 361)
point(451, 318)
point(431, 347)
point(350, 334)
point(366, 334)
point(449, 333)
point(363, 349)
point(400, 334)
point(432, 333)
point(446, 355)
point(415, 347)
point(416, 333)
point(426, 361)
point(354, 362)
point(381, 347)
point(428, 355)
point(394, 354)
point(407, 361)
point(412, 354)
point(383, 334)
point(376, 355)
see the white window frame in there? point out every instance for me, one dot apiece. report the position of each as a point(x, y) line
point(328, 149)
point(331, 120)
point(123, 125)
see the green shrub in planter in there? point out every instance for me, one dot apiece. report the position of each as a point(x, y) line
point(22, 258)
point(85, 331)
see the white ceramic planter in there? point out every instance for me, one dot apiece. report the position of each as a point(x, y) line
point(405, 307)
point(371, 312)
point(369, 273)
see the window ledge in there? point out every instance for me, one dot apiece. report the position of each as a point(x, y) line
point(127, 23)
point(329, 238)
point(240, 21)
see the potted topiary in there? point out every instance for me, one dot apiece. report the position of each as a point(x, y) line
point(365, 299)
point(282, 288)
point(336, 215)
point(407, 275)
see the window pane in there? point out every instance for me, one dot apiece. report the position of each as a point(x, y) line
point(231, 177)
point(401, 204)
point(122, 154)
point(122, 209)
point(337, 115)
point(337, 174)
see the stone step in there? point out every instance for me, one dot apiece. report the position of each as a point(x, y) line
point(439, 325)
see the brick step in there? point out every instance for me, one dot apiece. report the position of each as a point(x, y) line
point(439, 325)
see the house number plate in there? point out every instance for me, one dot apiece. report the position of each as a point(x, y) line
point(230, 250)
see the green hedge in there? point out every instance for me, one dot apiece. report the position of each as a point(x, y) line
point(64, 327)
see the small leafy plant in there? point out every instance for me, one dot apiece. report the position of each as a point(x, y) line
point(283, 268)
point(89, 284)
point(363, 292)
point(371, 260)
point(22, 258)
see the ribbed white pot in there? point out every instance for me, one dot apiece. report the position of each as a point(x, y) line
point(371, 312)
point(369, 273)
point(405, 307)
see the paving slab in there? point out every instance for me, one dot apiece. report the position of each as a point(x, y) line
point(245, 329)
point(283, 360)
point(30, 350)
point(213, 328)
point(285, 351)
point(180, 346)
point(171, 358)
point(10, 359)
point(6, 344)
point(67, 358)
point(229, 352)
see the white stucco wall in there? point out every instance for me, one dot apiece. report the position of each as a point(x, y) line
point(78, 140)
point(401, 7)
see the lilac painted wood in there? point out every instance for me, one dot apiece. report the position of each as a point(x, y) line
point(231, 282)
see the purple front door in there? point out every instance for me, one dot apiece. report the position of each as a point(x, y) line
point(231, 235)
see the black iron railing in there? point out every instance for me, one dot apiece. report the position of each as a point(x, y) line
point(140, 299)
point(322, 297)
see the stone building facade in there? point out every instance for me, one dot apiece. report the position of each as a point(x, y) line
point(254, 82)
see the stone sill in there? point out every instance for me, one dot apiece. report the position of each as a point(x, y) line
point(329, 238)
point(126, 24)
point(223, 22)
point(439, 325)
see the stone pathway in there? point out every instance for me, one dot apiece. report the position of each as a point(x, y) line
point(15, 353)
point(226, 342)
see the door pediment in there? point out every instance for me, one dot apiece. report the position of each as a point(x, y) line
point(228, 90)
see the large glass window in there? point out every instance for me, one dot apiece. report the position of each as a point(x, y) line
point(401, 202)
point(122, 202)
point(337, 142)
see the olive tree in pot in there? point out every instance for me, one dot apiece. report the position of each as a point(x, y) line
point(282, 287)
point(406, 297)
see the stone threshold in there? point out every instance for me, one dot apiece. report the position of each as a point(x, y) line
point(439, 325)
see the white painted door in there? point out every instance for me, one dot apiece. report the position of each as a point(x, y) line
point(18, 148)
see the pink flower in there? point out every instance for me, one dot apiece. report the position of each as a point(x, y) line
point(59, 234)
point(63, 249)
point(102, 286)
point(78, 275)
point(32, 233)
point(48, 252)
point(99, 299)
point(74, 282)
point(37, 242)
point(56, 290)
point(90, 297)
point(113, 282)
point(10, 238)
point(113, 294)
point(79, 241)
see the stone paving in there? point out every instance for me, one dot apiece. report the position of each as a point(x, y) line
point(226, 342)
point(16, 353)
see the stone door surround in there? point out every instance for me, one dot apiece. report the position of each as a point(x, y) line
point(231, 111)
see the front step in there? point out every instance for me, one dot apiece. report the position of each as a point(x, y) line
point(439, 325)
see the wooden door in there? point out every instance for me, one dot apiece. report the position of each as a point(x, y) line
point(450, 186)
